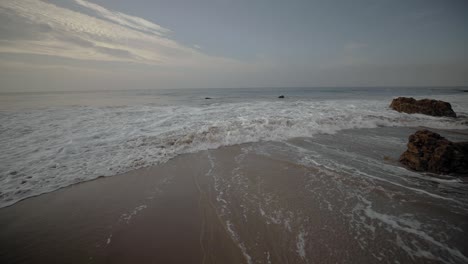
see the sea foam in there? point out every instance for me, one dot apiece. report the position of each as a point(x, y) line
point(46, 149)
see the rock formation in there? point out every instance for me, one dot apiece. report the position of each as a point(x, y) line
point(428, 151)
point(425, 106)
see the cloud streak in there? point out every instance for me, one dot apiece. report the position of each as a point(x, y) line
point(125, 20)
point(77, 44)
point(106, 35)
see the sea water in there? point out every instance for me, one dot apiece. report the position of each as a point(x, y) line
point(54, 139)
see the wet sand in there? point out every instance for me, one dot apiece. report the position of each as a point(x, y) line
point(151, 215)
point(230, 205)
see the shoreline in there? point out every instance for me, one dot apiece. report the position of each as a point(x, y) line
point(121, 217)
point(449, 133)
point(48, 149)
point(252, 202)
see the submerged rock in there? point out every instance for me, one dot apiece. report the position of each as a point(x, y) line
point(429, 151)
point(424, 106)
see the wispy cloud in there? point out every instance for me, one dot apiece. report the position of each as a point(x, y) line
point(96, 33)
point(125, 20)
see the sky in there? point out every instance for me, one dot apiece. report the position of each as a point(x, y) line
point(64, 45)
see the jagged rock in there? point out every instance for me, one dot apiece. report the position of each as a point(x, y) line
point(428, 151)
point(281, 97)
point(425, 106)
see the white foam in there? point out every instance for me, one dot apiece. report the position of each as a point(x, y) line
point(109, 239)
point(268, 257)
point(47, 149)
point(236, 239)
point(413, 227)
point(392, 170)
point(127, 217)
point(300, 244)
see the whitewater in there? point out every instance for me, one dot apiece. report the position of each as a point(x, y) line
point(44, 148)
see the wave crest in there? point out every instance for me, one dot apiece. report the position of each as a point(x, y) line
point(52, 148)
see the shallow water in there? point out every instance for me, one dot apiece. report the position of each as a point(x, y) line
point(324, 199)
point(317, 181)
point(53, 140)
point(352, 202)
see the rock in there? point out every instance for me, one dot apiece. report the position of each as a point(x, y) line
point(428, 151)
point(207, 98)
point(425, 106)
point(281, 97)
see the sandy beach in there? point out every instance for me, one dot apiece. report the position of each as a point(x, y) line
point(151, 215)
point(240, 204)
point(227, 132)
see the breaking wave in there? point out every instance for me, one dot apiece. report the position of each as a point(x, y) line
point(43, 150)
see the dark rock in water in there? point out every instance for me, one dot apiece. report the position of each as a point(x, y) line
point(281, 96)
point(428, 151)
point(207, 98)
point(425, 106)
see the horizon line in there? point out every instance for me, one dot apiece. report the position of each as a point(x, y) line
point(227, 88)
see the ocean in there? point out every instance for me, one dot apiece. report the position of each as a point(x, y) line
point(346, 142)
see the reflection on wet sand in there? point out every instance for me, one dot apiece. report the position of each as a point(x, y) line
point(308, 200)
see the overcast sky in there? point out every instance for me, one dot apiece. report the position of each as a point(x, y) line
point(121, 44)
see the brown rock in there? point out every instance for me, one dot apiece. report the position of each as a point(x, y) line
point(428, 151)
point(425, 106)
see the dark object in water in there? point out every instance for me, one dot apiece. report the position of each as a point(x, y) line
point(206, 98)
point(281, 96)
point(429, 151)
point(424, 106)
